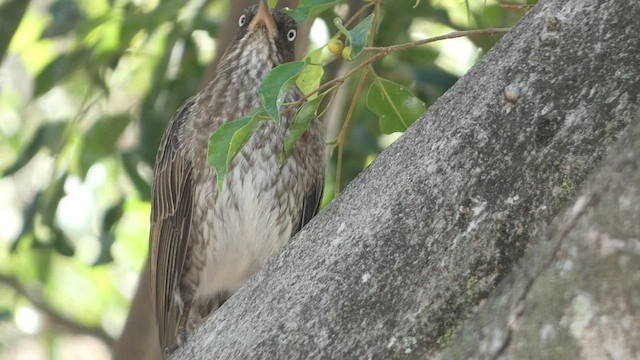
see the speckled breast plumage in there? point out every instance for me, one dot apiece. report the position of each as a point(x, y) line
point(236, 230)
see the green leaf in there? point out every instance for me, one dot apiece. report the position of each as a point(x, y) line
point(131, 161)
point(101, 138)
point(359, 35)
point(61, 243)
point(309, 79)
point(48, 135)
point(66, 17)
point(60, 69)
point(276, 85)
point(397, 107)
point(272, 3)
point(112, 216)
point(11, 13)
point(299, 124)
point(309, 8)
point(107, 238)
point(51, 198)
point(227, 141)
point(27, 220)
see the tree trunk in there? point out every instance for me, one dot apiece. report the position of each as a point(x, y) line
point(577, 294)
point(407, 253)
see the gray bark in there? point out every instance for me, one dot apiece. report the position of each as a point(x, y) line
point(577, 294)
point(406, 254)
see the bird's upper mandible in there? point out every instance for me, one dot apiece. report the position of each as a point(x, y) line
point(263, 17)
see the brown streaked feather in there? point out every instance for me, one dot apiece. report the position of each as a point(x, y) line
point(171, 210)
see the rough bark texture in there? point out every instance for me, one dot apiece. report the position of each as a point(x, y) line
point(577, 294)
point(404, 256)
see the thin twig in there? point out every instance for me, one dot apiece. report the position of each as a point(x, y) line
point(374, 23)
point(56, 318)
point(380, 52)
point(347, 120)
point(357, 14)
point(345, 126)
point(451, 35)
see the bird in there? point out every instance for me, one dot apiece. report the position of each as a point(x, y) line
point(205, 243)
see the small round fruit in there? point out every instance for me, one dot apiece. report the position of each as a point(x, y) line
point(346, 53)
point(335, 46)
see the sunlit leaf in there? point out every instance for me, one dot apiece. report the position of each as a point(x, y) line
point(48, 135)
point(276, 85)
point(359, 35)
point(272, 3)
point(309, 8)
point(227, 141)
point(100, 139)
point(309, 79)
point(299, 125)
point(396, 106)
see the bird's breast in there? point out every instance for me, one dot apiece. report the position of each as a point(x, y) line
point(252, 217)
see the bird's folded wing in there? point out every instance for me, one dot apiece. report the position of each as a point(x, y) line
point(171, 211)
point(311, 203)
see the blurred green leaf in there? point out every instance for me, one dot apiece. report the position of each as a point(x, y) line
point(11, 13)
point(299, 125)
point(5, 314)
point(28, 216)
point(66, 16)
point(130, 161)
point(61, 244)
point(60, 69)
point(112, 216)
point(100, 139)
point(107, 237)
point(50, 200)
point(43, 259)
point(359, 35)
point(105, 256)
point(276, 85)
point(309, 8)
point(49, 135)
point(396, 106)
point(227, 141)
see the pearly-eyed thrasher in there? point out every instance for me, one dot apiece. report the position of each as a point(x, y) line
point(205, 243)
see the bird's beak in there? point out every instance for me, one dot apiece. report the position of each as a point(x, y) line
point(264, 17)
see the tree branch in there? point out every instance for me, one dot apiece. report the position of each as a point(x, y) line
point(57, 319)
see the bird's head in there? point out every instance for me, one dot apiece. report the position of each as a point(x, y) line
point(265, 35)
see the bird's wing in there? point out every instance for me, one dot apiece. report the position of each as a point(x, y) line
point(311, 203)
point(171, 209)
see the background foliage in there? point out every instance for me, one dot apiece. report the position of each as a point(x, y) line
point(86, 88)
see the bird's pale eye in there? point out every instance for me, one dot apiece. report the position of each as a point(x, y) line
point(291, 35)
point(242, 20)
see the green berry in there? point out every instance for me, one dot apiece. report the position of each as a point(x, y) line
point(335, 46)
point(346, 53)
